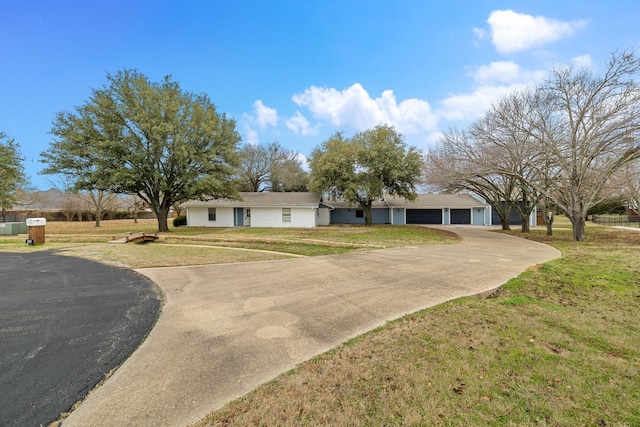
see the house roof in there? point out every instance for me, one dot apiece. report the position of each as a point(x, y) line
point(441, 200)
point(379, 203)
point(431, 200)
point(257, 200)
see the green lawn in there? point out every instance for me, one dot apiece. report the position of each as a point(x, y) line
point(206, 245)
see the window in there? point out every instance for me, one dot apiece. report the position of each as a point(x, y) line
point(212, 214)
point(359, 213)
point(286, 214)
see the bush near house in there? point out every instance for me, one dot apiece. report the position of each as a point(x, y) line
point(180, 220)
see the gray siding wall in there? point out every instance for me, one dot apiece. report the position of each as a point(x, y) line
point(478, 216)
point(398, 216)
point(348, 216)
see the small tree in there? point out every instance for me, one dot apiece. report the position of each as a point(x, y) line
point(12, 177)
point(98, 202)
point(153, 140)
point(366, 167)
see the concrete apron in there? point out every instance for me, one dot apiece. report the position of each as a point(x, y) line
point(225, 329)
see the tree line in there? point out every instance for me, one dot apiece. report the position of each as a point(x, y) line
point(563, 146)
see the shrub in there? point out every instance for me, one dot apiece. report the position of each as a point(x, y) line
point(180, 220)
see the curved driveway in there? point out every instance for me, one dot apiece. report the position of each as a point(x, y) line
point(225, 329)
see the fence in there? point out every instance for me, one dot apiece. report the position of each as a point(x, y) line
point(622, 221)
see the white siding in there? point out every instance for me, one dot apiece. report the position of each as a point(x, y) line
point(272, 217)
point(199, 217)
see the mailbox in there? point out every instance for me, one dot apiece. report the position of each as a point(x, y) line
point(35, 228)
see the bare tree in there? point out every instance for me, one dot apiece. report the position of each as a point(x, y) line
point(585, 126)
point(70, 206)
point(634, 186)
point(627, 182)
point(565, 140)
point(508, 150)
point(459, 163)
point(97, 202)
point(287, 173)
point(270, 168)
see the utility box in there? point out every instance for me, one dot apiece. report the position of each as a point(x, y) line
point(35, 227)
point(13, 228)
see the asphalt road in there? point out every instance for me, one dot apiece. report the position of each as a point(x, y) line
point(64, 323)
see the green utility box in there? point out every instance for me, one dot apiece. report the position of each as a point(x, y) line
point(13, 228)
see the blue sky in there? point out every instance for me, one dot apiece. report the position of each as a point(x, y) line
point(297, 71)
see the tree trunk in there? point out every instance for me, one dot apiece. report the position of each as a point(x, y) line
point(162, 212)
point(524, 208)
point(550, 224)
point(504, 211)
point(368, 218)
point(98, 216)
point(135, 211)
point(578, 222)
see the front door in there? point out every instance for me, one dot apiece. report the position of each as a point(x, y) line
point(238, 217)
point(247, 217)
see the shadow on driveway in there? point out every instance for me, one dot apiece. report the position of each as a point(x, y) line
point(64, 324)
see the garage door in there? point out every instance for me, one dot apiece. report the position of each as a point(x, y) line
point(460, 216)
point(424, 216)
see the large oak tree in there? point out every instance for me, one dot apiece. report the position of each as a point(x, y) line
point(366, 167)
point(148, 139)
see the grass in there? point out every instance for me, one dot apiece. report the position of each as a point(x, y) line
point(559, 345)
point(206, 245)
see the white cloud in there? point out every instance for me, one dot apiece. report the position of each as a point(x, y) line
point(505, 72)
point(251, 135)
point(479, 33)
point(353, 108)
point(582, 61)
point(492, 81)
point(265, 116)
point(304, 161)
point(513, 32)
point(470, 106)
point(300, 125)
point(499, 71)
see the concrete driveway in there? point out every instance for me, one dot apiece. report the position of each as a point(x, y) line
point(226, 329)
